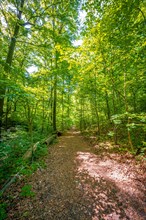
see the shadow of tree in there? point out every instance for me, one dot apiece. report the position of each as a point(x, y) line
point(106, 196)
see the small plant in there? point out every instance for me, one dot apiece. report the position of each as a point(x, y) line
point(111, 134)
point(3, 213)
point(26, 214)
point(26, 191)
point(40, 152)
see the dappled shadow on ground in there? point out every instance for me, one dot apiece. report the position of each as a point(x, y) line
point(78, 184)
point(112, 187)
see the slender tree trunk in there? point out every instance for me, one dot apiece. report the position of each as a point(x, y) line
point(106, 93)
point(134, 102)
point(127, 110)
point(107, 105)
point(43, 115)
point(8, 108)
point(114, 105)
point(96, 107)
point(55, 72)
point(62, 115)
point(68, 109)
point(81, 115)
point(50, 118)
point(97, 116)
point(55, 94)
point(54, 106)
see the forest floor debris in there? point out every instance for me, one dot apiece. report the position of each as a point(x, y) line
point(81, 182)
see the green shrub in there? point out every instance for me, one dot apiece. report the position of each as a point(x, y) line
point(26, 191)
point(3, 213)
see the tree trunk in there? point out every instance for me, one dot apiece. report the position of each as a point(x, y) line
point(107, 105)
point(43, 115)
point(2, 93)
point(127, 110)
point(55, 73)
point(97, 116)
point(54, 105)
point(62, 115)
point(95, 100)
point(55, 94)
point(9, 62)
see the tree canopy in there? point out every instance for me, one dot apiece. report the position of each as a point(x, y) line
point(47, 83)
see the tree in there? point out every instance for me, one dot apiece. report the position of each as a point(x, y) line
point(9, 58)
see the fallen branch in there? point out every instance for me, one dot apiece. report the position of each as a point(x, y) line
point(27, 155)
point(30, 151)
point(50, 139)
point(7, 184)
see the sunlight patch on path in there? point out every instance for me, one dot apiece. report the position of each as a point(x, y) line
point(109, 169)
point(69, 136)
point(110, 183)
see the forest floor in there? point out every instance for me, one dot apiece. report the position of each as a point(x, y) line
point(82, 182)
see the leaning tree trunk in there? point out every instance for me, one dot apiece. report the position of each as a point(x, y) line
point(9, 62)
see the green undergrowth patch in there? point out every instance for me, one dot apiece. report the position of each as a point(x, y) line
point(27, 191)
point(13, 163)
point(36, 163)
point(11, 152)
point(138, 150)
point(3, 213)
point(11, 155)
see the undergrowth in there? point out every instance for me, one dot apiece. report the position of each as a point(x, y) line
point(26, 191)
point(12, 151)
point(12, 162)
point(122, 145)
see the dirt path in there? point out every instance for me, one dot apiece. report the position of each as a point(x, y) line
point(80, 183)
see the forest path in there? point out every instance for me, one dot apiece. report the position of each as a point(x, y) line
point(82, 183)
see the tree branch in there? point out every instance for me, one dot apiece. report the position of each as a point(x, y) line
point(142, 14)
